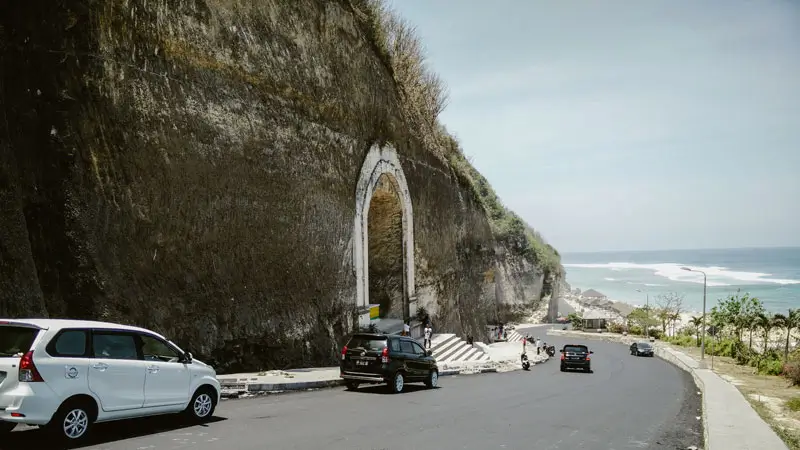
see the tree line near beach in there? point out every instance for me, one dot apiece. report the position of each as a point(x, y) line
point(738, 327)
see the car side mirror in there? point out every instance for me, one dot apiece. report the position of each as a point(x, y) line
point(591, 352)
point(187, 358)
point(428, 352)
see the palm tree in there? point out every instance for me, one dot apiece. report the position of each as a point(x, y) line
point(764, 321)
point(787, 322)
point(696, 322)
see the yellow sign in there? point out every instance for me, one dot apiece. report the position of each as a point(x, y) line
point(373, 311)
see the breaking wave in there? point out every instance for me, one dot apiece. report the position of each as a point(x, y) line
point(717, 276)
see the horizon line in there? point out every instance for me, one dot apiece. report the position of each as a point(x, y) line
point(765, 247)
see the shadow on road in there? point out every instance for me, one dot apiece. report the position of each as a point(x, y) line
point(102, 433)
point(383, 389)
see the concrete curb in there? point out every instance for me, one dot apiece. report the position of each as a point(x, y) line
point(296, 386)
point(261, 388)
point(447, 373)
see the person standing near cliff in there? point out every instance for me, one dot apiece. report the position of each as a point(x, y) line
point(428, 334)
point(406, 329)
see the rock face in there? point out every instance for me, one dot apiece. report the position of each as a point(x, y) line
point(191, 165)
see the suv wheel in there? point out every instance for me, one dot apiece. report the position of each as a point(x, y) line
point(351, 385)
point(433, 379)
point(72, 421)
point(6, 427)
point(202, 405)
point(398, 383)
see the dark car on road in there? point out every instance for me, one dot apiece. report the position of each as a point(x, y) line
point(380, 358)
point(641, 349)
point(576, 356)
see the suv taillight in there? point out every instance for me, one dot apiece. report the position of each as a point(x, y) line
point(588, 358)
point(344, 352)
point(563, 355)
point(27, 369)
point(385, 355)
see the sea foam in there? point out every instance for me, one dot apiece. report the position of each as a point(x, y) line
point(717, 276)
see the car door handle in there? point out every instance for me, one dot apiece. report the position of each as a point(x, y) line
point(100, 366)
point(152, 369)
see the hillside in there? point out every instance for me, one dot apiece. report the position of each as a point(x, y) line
point(195, 168)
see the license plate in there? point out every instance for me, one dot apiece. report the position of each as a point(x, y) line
point(361, 363)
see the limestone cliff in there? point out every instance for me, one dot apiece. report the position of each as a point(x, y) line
point(191, 166)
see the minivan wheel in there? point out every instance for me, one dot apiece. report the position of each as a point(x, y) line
point(398, 383)
point(433, 379)
point(6, 427)
point(202, 405)
point(71, 422)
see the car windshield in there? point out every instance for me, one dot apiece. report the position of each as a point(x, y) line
point(643, 345)
point(367, 342)
point(576, 349)
point(15, 340)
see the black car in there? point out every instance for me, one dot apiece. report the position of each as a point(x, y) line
point(575, 356)
point(641, 349)
point(379, 358)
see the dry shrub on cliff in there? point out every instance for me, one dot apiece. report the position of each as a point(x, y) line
point(423, 98)
point(423, 94)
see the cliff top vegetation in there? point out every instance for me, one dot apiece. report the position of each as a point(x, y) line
point(423, 96)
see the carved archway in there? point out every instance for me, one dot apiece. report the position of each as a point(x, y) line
point(382, 161)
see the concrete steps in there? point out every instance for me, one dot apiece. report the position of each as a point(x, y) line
point(450, 348)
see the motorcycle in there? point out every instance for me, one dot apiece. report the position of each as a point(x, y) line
point(526, 364)
point(551, 351)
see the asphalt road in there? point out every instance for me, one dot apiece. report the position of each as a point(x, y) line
point(627, 403)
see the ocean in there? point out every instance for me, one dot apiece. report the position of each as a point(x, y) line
point(771, 274)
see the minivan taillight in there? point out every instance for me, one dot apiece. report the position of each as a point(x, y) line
point(344, 352)
point(385, 355)
point(27, 369)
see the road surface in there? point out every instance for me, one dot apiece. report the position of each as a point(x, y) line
point(627, 403)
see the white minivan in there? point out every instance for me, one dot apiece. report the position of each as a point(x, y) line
point(65, 375)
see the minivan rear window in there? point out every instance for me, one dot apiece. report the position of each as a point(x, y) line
point(367, 342)
point(16, 340)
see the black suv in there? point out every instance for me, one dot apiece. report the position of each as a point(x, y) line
point(379, 358)
point(641, 349)
point(575, 356)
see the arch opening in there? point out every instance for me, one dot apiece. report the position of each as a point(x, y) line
point(383, 238)
point(385, 242)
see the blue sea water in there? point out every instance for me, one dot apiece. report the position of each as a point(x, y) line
point(771, 274)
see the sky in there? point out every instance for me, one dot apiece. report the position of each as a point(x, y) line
point(627, 125)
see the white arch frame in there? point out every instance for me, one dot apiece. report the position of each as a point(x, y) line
point(379, 161)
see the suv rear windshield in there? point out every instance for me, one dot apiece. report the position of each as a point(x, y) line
point(15, 340)
point(367, 342)
point(576, 349)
